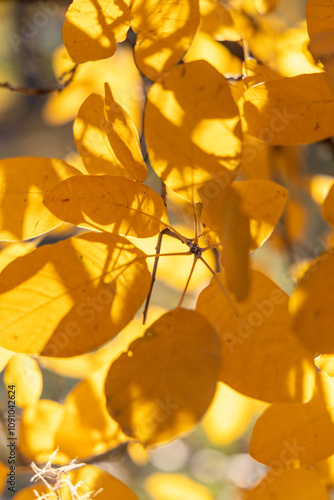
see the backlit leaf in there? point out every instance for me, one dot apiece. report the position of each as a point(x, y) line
point(71, 297)
point(162, 486)
point(278, 113)
point(236, 244)
point(113, 204)
point(293, 484)
point(107, 140)
point(39, 424)
point(192, 128)
point(262, 202)
point(261, 357)
point(23, 372)
point(319, 16)
point(304, 432)
point(86, 427)
point(165, 30)
point(166, 380)
point(25, 181)
point(93, 27)
point(311, 305)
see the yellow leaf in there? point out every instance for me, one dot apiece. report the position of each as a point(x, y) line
point(23, 372)
point(138, 454)
point(94, 478)
point(92, 28)
point(319, 186)
point(78, 366)
point(325, 363)
point(206, 48)
point(193, 131)
point(156, 390)
point(107, 140)
point(88, 479)
point(326, 470)
point(217, 21)
point(165, 30)
point(108, 203)
point(54, 298)
point(261, 357)
point(24, 183)
point(261, 201)
point(293, 484)
point(119, 71)
point(162, 486)
point(221, 427)
point(322, 49)
point(311, 305)
point(278, 113)
point(86, 427)
point(299, 432)
point(39, 424)
point(123, 137)
point(319, 16)
point(236, 243)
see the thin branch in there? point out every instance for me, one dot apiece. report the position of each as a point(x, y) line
point(42, 90)
point(188, 280)
point(154, 274)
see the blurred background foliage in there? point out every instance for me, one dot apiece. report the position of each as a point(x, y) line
point(212, 461)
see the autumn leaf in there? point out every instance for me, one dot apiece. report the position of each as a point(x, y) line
point(25, 181)
point(107, 140)
point(165, 382)
point(292, 484)
point(24, 373)
point(92, 28)
point(164, 33)
point(319, 16)
point(278, 113)
point(261, 357)
point(162, 486)
point(109, 203)
point(311, 305)
point(192, 129)
point(286, 433)
point(254, 207)
point(55, 297)
point(38, 428)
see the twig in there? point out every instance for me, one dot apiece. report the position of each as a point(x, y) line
point(42, 90)
point(196, 257)
point(154, 274)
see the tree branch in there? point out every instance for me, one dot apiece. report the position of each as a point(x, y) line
point(42, 90)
